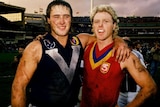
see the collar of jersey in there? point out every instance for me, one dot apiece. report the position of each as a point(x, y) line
point(97, 61)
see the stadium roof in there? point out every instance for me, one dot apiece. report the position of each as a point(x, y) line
point(6, 8)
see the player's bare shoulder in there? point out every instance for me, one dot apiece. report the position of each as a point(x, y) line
point(33, 49)
point(131, 61)
point(34, 46)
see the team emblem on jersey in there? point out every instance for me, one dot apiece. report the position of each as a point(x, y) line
point(74, 41)
point(48, 44)
point(105, 67)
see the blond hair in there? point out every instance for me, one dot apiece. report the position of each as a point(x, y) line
point(111, 11)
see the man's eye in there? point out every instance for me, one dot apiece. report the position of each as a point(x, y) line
point(67, 16)
point(96, 21)
point(105, 21)
point(56, 16)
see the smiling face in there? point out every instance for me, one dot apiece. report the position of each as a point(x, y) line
point(59, 20)
point(103, 25)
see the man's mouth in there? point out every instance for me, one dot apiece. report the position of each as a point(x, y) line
point(100, 31)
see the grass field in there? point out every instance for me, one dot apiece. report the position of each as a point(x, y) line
point(7, 75)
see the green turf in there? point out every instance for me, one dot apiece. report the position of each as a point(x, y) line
point(6, 57)
point(5, 62)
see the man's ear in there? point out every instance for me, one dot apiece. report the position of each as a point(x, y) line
point(48, 20)
point(114, 26)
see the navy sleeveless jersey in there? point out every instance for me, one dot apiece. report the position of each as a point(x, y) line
point(56, 81)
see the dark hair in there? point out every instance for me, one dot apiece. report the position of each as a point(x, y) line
point(58, 2)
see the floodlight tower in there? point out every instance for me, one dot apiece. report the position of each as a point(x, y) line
point(91, 6)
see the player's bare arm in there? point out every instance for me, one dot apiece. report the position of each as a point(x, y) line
point(86, 39)
point(142, 78)
point(120, 48)
point(25, 70)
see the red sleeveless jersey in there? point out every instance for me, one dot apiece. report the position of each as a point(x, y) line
point(102, 77)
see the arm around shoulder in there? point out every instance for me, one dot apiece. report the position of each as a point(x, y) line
point(120, 49)
point(86, 38)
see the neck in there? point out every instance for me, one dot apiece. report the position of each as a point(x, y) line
point(102, 44)
point(61, 39)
